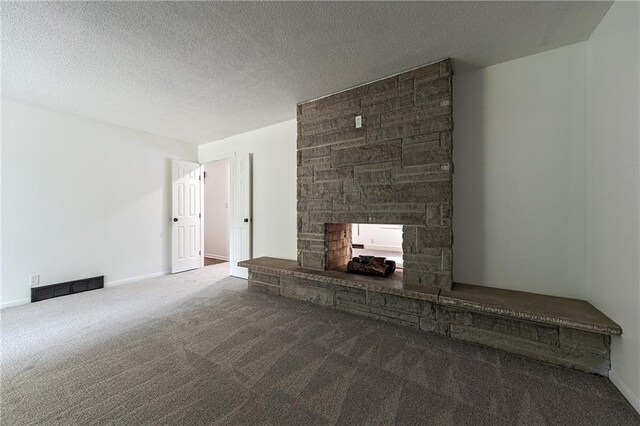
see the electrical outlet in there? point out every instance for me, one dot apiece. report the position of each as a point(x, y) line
point(34, 280)
point(358, 121)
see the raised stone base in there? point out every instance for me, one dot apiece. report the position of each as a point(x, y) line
point(582, 342)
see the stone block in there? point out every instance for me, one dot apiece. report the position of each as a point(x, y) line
point(446, 68)
point(421, 262)
point(264, 278)
point(394, 303)
point(413, 174)
point(354, 295)
point(372, 177)
point(447, 260)
point(380, 86)
point(436, 191)
point(307, 290)
point(439, 215)
point(309, 153)
point(304, 171)
point(431, 321)
point(404, 92)
point(312, 227)
point(311, 245)
point(424, 153)
point(312, 260)
point(348, 144)
point(378, 313)
point(377, 106)
point(318, 190)
point(332, 174)
point(506, 327)
point(365, 216)
point(405, 130)
point(445, 140)
point(433, 138)
point(375, 153)
point(433, 237)
point(427, 279)
point(584, 341)
point(387, 165)
point(336, 110)
point(532, 349)
point(426, 73)
point(309, 205)
point(351, 198)
point(322, 139)
point(412, 114)
point(327, 126)
point(435, 90)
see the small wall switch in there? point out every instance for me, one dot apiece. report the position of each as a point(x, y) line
point(34, 280)
point(358, 121)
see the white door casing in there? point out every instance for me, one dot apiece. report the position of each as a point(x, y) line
point(186, 217)
point(240, 214)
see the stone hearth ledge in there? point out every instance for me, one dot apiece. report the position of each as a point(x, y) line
point(539, 308)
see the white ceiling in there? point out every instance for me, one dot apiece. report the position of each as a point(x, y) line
point(202, 71)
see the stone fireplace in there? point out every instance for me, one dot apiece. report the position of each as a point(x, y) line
point(394, 169)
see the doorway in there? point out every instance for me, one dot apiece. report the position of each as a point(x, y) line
point(215, 220)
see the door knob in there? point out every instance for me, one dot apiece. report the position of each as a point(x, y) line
point(175, 219)
point(246, 220)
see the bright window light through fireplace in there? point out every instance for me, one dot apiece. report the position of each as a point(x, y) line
point(377, 240)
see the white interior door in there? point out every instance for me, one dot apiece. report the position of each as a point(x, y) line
point(186, 217)
point(240, 214)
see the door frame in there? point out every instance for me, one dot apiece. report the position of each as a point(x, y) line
point(202, 164)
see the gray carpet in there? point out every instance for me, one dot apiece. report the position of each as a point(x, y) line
point(197, 348)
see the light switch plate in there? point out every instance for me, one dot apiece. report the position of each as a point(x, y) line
point(358, 121)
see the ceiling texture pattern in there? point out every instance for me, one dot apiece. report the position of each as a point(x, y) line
point(202, 71)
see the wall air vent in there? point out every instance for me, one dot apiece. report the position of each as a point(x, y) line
point(63, 289)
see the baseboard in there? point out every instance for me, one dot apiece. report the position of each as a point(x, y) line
point(134, 279)
point(633, 399)
point(14, 303)
point(215, 256)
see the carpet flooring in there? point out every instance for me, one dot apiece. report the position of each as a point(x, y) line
point(198, 348)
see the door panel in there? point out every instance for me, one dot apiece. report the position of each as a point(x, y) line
point(186, 221)
point(240, 214)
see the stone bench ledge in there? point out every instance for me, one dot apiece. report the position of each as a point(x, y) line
point(564, 311)
point(552, 310)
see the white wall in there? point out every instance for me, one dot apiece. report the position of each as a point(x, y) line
point(216, 209)
point(274, 184)
point(613, 185)
point(81, 198)
point(378, 237)
point(519, 181)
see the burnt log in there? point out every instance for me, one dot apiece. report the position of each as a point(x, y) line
point(370, 265)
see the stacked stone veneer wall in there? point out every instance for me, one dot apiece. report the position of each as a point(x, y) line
point(396, 169)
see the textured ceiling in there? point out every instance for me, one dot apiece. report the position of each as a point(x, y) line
point(202, 71)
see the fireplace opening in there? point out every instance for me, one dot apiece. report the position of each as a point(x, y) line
point(369, 249)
